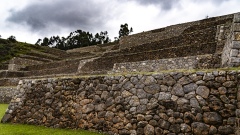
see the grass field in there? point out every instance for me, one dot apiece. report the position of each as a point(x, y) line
point(17, 129)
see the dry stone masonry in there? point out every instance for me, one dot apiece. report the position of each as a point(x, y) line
point(164, 103)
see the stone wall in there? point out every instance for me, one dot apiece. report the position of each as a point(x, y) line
point(164, 103)
point(172, 31)
point(231, 51)
point(191, 62)
point(6, 94)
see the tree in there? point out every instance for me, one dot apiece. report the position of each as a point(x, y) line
point(12, 39)
point(45, 42)
point(38, 42)
point(124, 30)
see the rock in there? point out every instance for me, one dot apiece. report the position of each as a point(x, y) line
point(6, 118)
point(126, 94)
point(148, 80)
point(164, 96)
point(215, 103)
point(102, 87)
point(185, 128)
point(142, 124)
point(190, 87)
point(109, 115)
point(177, 90)
point(163, 124)
point(153, 123)
point(100, 107)
point(88, 108)
point(140, 117)
point(158, 131)
point(225, 99)
point(212, 130)
point(229, 84)
point(149, 130)
point(141, 93)
point(194, 103)
point(225, 130)
point(48, 101)
point(104, 95)
point(199, 128)
point(134, 101)
point(134, 80)
point(169, 81)
point(212, 118)
point(141, 109)
point(203, 91)
point(175, 128)
point(152, 89)
point(184, 80)
point(48, 95)
point(85, 101)
point(208, 77)
point(182, 101)
point(128, 85)
point(164, 88)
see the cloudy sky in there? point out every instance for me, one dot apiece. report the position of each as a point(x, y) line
point(29, 20)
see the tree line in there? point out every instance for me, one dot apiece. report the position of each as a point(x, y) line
point(80, 38)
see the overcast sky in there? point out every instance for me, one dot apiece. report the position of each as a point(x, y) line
point(29, 20)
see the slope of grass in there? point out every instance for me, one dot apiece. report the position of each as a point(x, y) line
point(17, 129)
point(12, 49)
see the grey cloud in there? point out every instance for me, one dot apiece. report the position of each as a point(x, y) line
point(164, 4)
point(84, 14)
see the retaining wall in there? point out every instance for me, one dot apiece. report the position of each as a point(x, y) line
point(191, 62)
point(164, 103)
point(6, 94)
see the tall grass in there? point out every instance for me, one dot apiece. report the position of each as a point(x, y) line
point(18, 129)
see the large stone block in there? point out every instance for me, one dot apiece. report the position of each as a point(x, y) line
point(235, 45)
point(234, 53)
point(236, 18)
point(236, 27)
point(235, 60)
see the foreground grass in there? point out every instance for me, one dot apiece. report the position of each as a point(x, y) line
point(17, 129)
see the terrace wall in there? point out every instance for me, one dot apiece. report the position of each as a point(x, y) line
point(165, 103)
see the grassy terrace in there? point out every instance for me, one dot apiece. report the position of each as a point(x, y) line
point(17, 129)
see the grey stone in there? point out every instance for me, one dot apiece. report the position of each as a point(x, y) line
point(190, 87)
point(231, 121)
point(177, 90)
point(141, 109)
point(140, 117)
point(184, 80)
point(194, 103)
point(128, 85)
point(48, 101)
point(199, 128)
point(235, 44)
point(164, 88)
point(134, 80)
point(203, 91)
point(152, 89)
point(100, 107)
point(141, 93)
point(212, 118)
point(236, 18)
point(237, 113)
point(6, 118)
point(164, 96)
point(88, 108)
point(163, 124)
point(148, 80)
point(225, 99)
point(233, 52)
point(208, 77)
point(134, 101)
point(182, 101)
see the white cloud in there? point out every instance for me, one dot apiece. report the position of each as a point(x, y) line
point(140, 15)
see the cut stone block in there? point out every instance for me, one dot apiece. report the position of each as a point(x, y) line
point(236, 18)
point(236, 27)
point(234, 52)
point(235, 60)
point(235, 45)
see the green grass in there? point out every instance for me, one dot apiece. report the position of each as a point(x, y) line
point(18, 129)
